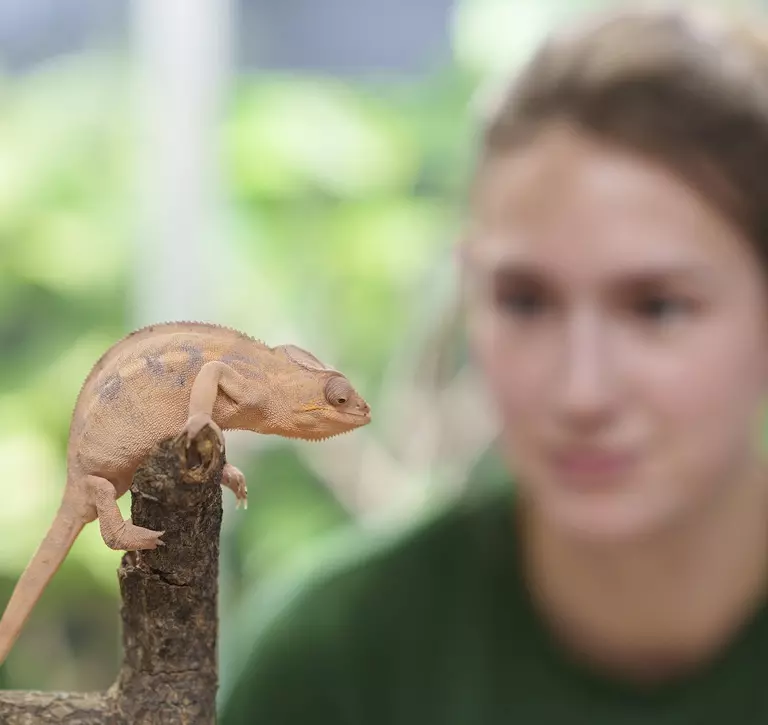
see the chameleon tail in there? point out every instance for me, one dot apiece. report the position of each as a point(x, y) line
point(57, 542)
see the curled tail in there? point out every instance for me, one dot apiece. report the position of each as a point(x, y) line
point(55, 546)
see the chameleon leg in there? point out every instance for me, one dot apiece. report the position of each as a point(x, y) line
point(233, 478)
point(213, 377)
point(116, 532)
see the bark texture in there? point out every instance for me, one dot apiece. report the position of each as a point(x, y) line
point(169, 611)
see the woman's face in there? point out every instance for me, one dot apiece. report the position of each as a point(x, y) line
point(620, 323)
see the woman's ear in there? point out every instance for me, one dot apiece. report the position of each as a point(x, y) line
point(468, 278)
point(462, 258)
point(461, 248)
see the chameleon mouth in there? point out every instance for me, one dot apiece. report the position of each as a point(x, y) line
point(352, 414)
point(356, 420)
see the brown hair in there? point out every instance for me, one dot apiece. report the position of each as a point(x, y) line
point(687, 88)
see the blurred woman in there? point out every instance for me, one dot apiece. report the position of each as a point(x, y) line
point(614, 270)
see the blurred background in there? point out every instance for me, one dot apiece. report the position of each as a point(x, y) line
point(293, 168)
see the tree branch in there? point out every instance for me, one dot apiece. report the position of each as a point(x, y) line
point(169, 613)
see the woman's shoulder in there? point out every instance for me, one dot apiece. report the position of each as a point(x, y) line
point(358, 566)
point(360, 561)
point(369, 589)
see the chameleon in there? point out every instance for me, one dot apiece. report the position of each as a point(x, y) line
point(163, 380)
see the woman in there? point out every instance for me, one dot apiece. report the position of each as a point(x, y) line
point(615, 287)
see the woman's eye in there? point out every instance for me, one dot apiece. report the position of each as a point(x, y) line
point(523, 302)
point(661, 307)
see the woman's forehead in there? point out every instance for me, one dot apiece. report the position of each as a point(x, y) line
point(562, 172)
point(568, 200)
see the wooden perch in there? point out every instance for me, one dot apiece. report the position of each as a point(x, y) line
point(169, 604)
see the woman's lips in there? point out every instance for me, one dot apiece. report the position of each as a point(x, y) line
point(593, 467)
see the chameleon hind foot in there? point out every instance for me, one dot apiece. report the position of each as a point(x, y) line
point(117, 533)
point(130, 537)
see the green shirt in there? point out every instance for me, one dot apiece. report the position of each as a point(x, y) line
point(434, 627)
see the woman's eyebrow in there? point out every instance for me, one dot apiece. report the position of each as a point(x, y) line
point(510, 271)
point(510, 264)
point(661, 273)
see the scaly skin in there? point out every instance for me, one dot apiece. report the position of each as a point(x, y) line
point(153, 384)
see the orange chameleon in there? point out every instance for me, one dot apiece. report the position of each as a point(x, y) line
point(153, 384)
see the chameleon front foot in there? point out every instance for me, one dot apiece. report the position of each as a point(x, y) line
point(196, 422)
point(234, 479)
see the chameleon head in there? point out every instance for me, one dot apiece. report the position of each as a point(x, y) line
point(320, 401)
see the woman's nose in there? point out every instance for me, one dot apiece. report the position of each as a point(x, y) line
point(586, 385)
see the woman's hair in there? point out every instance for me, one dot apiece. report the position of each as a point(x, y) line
point(687, 88)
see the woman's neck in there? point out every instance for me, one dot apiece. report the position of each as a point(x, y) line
point(658, 608)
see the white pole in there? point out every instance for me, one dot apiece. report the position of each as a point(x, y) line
point(182, 55)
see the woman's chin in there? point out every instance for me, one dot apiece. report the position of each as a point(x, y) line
point(616, 514)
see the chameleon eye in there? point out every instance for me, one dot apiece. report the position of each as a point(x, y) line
point(337, 391)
